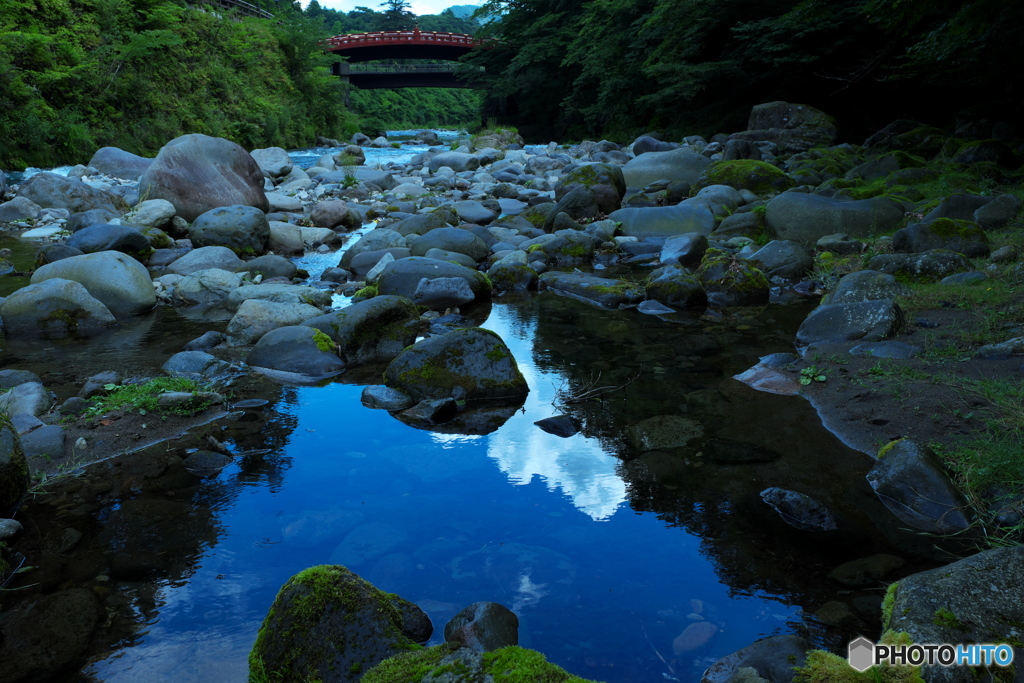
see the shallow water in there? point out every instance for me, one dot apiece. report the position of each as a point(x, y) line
point(606, 555)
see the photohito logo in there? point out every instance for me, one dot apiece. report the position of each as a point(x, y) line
point(863, 654)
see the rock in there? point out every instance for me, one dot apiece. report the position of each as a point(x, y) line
point(354, 627)
point(1002, 350)
point(206, 341)
point(300, 350)
point(54, 309)
point(286, 238)
point(29, 397)
point(152, 213)
point(384, 398)
point(194, 364)
point(273, 161)
point(963, 278)
point(731, 281)
point(330, 213)
point(206, 463)
point(450, 239)
point(602, 292)
point(960, 236)
point(471, 364)
point(429, 412)
point(793, 127)
point(443, 293)
point(866, 571)
point(49, 253)
point(928, 266)
point(43, 636)
point(684, 250)
point(12, 378)
point(14, 476)
point(402, 276)
point(568, 247)
point(9, 528)
point(455, 664)
point(419, 224)
point(977, 599)
point(866, 285)
point(279, 202)
point(605, 182)
point(773, 659)
point(839, 244)
point(206, 287)
point(560, 425)
point(197, 173)
point(255, 317)
point(665, 221)
point(84, 219)
point(243, 229)
point(739, 225)
point(664, 432)
point(19, 209)
point(645, 143)
point(800, 510)
point(45, 442)
point(676, 287)
point(119, 163)
point(757, 176)
point(457, 161)
point(375, 240)
point(483, 627)
point(909, 480)
point(269, 266)
point(885, 349)
point(205, 258)
point(783, 258)
point(694, 637)
point(123, 238)
point(370, 331)
point(281, 294)
point(512, 277)
point(998, 212)
point(806, 218)
point(873, 320)
point(674, 165)
point(1007, 254)
point(50, 190)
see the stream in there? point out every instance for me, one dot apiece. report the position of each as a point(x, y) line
point(606, 558)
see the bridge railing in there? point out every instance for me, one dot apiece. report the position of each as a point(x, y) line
point(402, 68)
point(393, 37)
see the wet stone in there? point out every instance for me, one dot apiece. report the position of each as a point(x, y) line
point(206, 463)
point(559, 425)
point(9, 528)
point(433, 411)
point(206, 342)
point(483, 627)
point(799, 510)
point(384, 398)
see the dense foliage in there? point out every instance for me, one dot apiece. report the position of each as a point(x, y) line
point(363, 19)
point(76, 75)
point(380, 110)
point(606, 67)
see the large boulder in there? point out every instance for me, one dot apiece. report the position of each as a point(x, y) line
point(450, 239)
point(961, 236)
point(866, 285)
point(14, 477)
point(119, 163)
point(674, 165)
point(402, 276)
point(198, 173)
point(927, 266)
point(44, 636)
point(457, 161)
point(120, 282)
point(771, 658)
point(483, 627)
point(296, 349)
point(204, 258)
point(979, 599)
point(273, 161)
point(677, 287)
point(867, 321)
point(242, 229)
point(468, 364)
point(808, 217)
point(665, 221)
point(282, 294)
point(330, 213)
point(54, 309)
point(793, 127)
point(53, 191)
point(420, 224)
point(746, 174)
point(327, 624)
point(19, 209)
point(605, 181)
point(783, 258)
point(594, 290)
point(910, 481)
point(152, 213)
point(256, 317)
point(731, 281)
point(123, 238)
point(206, 287)
point(454, 664)
point(268, 266)
point(370, 331)
point(380, 238)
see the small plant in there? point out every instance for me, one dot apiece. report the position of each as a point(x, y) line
point(811, 374)
point(144, 397)
point(350, 178)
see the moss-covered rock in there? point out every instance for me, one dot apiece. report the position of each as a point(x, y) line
point(328, 624)
point(928, 266)
point(759, 177)
point(597, 291)
point(731, 281)
point(452, 664)
point(677, 287)
point(402, 276)
point(373, 330)
point(14, 477)
point(472, 364)
point(965, 237)
point(604, 180)
point(826, 667)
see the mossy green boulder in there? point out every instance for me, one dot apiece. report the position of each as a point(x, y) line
point(759, 177)
point(471, 364)
point(373, 330)
point(328, 624)
point(453, 664)
point(965, 237)
point(731, 281)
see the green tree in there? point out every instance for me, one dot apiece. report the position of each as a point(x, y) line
point(397, 16)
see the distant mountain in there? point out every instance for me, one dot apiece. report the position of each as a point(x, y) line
point(463, 11)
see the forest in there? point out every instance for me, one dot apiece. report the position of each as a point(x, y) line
point(615, 68)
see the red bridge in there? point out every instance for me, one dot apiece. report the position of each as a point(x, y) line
point(415, 44)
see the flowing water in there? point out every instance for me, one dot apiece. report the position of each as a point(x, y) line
point(606, 557)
